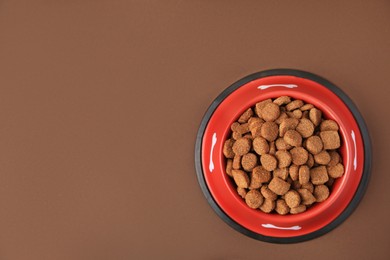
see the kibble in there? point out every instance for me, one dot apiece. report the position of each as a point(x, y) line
point(314, 144)
point(307, 197)
point(245, 116)
point(293, 199)
point(319, 175)
point(283, 156)
point(270, 131)
point(299, 155)
point(237, 162)
point(336, 171)
point(294, 172)
point(241, 146)
point(260, 145)
point(254, 199)
point(249, 161)
point(267, 206)
point(315, 116)
point(305, 128)
point(229, 167)
point(279, 186)
point(241, 192)
point(281, 207)
point(293, 138)
point(241, 178)
point(321, 193)
point(270, 112)
point(304, 174)
point(297, 210)
point(331, 139)
point(322, 158)
point(269, 162)
point(267, 193)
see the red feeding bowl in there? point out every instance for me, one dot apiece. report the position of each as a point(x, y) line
point(218, 187)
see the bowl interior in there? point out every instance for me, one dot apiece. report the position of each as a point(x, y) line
point(221, 186)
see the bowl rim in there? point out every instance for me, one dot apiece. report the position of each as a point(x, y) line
point(366, 162)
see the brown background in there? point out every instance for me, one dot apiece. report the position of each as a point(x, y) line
point(100, 102)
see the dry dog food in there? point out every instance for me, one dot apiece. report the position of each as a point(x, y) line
point(283, 156)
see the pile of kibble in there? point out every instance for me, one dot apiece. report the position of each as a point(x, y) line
point(283, 155)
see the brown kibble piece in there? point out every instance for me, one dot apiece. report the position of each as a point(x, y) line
point(331, 139)
point(267, 193)
point(236, 135)
point(254, 199)
point(260, 145)
point(243, 128)
point(261, 175)
point(259, 106)
point(294, 172)
point(297, 210)
point(297, 113)
point(227, 148)
point(319, 175)
point(256, 132)
point(307, 197)
point(279, 186)
point(321, 193)
point(240, 178)
point(334, 158)
point(269, 162)
point(241, 192)
point(249, 161)
point(292, 198)
point(304, 174)
point(314, 144)
point(245, 116)
point(309, 186)
point(281, 207)
point(310, 160)
point(322, 158)
point(282, 100)
point(294, 105)
point(237, 162)
point(269, 130)
point(281, 173)
point(234, 127)
point(282, 116)
point(270, 112)
point(282, 145)
point(284, 158)
point(229, 167)
point(315, 116)
point(254, 122)
point(305, 128)
point(329, 125)
point(272, 148)
point(299, 155)
point(293, 138)
point(287, 124)
point(306, 107)
point(267, 206)
point(242, 146)
point(336, 171)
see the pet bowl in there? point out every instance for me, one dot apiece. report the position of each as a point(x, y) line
point(218, 187)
